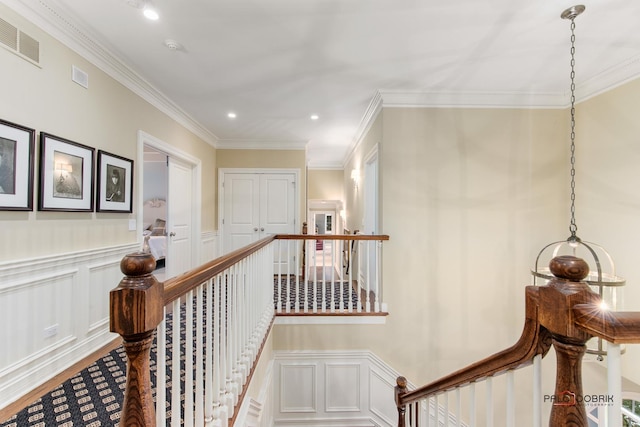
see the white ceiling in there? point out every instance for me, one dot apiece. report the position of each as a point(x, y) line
point(276, 62)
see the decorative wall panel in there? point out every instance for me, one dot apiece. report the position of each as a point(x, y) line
point(353, 388)
point(298, 388)
point(342, 387)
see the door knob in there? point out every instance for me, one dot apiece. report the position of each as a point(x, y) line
point(262, 229)
point(255, 229)
point(172, 234)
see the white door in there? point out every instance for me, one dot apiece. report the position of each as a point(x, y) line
point(241, 220)
point(277, 216)
point(277, 198)
point(257, 205)
point(179, 218)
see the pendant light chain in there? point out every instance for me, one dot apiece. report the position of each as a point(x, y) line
point(573, 228)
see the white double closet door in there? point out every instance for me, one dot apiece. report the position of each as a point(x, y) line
point(257, 205)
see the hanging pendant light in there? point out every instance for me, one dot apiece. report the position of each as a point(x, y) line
point(602, 277)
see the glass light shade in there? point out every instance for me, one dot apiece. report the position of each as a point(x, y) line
point(602, 277)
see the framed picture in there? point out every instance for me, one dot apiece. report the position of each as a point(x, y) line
point(16, 167)
point(115, 183)
point(66, 175)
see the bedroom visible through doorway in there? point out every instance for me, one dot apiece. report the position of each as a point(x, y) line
point(154, 208)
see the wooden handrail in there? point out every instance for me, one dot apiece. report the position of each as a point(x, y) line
point(617, 327)
point(332, 237)
point(534, 340)
point(563, 313)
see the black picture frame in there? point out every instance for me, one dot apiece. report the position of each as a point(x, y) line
point(115, 183)
point(17, 145)
point(66, 175)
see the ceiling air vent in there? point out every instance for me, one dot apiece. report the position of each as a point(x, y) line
point(19, 43)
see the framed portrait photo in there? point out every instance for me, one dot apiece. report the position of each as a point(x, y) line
point(66, 175)
point(16, 167)
point(115, 183)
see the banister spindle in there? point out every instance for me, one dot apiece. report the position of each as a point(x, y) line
point(136, 309)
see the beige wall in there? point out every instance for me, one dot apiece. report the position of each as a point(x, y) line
point(271, 159)
point(353, 194)
point(325, 184)
point(464, 197)
point(106, 116)
point(607, 199)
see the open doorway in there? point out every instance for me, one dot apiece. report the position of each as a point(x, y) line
point(169, 201)
point(324, 219)
point(154, 207)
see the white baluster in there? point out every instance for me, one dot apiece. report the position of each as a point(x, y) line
point(436, 413)
point(489, 400)
point(296, 272)
point(446, 410)
point(472, 405)
point(511, 399)
point(614, 382)
point(217, 345)
point(288, 295)
point(378, 281)
point(350, 264)
point(188, 363)
point(209, 354)
point(537, 390)
point(200, 349)
point(176, 401)
point(368, 277)
point(458, 407)
point(161, 376)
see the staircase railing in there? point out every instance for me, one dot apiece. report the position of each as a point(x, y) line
point(212, 321)
point(338, 274)
point(564, 313)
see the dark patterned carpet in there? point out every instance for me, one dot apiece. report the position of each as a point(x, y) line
point(94, 396)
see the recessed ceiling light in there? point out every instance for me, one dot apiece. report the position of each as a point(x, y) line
point(231, 115)
point(150, 13)
point(171, 44)
point(315, 117)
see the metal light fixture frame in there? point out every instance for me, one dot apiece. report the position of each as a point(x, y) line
point(600, 279)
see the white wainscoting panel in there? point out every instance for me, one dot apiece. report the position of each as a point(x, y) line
point(353, 388)
point(298, 387)
point(54, 312)
point(102, 277)
point(209, 246)
point(342, 387)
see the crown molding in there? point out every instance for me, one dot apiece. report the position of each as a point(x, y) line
point(326, 166)
point(260, 144)
point(373, 109)
point(609, 79)
point(53, 21)
point(443, 99)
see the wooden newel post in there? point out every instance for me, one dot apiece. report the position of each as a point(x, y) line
point(557, 300)
point(136, 309)
point(401, 388)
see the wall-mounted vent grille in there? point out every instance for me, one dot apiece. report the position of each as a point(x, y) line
point(29, 47)
point(8, 35)
point(19, 43)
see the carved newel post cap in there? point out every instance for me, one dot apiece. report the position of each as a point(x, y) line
point(401, 382)
point(136, 304)
point(569, 267)
point(137, 264)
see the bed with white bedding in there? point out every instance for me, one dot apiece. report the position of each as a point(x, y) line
point(154, 221)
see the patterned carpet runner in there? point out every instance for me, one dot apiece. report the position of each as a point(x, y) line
point(94, 396)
